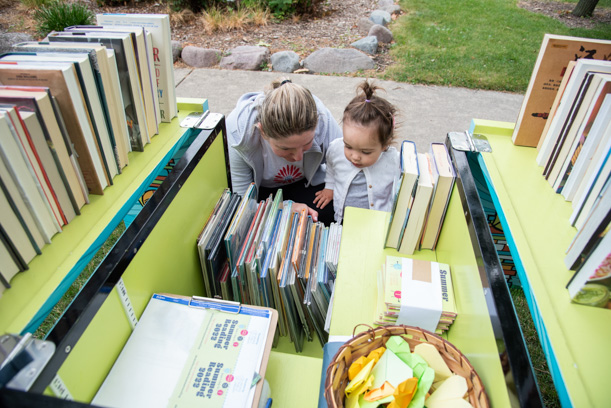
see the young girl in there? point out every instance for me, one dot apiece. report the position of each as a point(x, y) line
point(362, 167)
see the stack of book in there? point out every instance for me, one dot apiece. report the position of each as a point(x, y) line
point(72, 108)
point(416, 293)
point(422, 195)
point(571, 84)
point(265, 253)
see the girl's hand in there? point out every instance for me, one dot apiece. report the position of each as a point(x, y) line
point(299, 206)
point(323, 197)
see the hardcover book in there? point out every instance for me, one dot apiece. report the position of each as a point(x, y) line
point(159, 27)
point(554, 54)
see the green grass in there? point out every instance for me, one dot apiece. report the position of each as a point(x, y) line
point(478, 44)
point(58, 310)
point(537, 357)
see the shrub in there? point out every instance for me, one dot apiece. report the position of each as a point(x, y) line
point(58, 15)
point(35, 4)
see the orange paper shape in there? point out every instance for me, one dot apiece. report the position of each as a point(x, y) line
point(376, 354)
point(404, 393)
point(384, 391)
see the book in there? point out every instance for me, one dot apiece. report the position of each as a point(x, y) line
point(30, 153)
point(554, 171)
point(185, 351)
point(554, 54)
point(105, 69)
point(16, 168)
point(589, 234)
point(12, 221)
point(131, 94)
point(416, 292)
point(565, 113)
point(159, 27)
point(419, 208)
point(593, 186)
point(9, 261)
point(138, 39)
point(591, 282)
point(61, 79)
point(91, 97)
point(443, 178)
point(596, 126)
point(566, 75)
point(39, 101)
point(405, 189)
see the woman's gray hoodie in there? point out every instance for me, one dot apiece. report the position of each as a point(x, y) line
point(245, 149)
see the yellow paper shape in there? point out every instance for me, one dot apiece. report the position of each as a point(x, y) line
point(361, 378)
point(356, 367)
point(431, 355)
point(404, 393)
point(352, 400)
point(392, 369)
point(454, 387)
point(378, 393)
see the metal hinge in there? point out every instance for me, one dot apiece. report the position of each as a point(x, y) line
point(467, 142)
point(22, 358)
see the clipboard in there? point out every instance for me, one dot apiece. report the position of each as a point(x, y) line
point(154, 365)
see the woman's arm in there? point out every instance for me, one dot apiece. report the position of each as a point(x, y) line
point(241, 172)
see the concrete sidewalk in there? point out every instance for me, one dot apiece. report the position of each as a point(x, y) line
point(427, 113)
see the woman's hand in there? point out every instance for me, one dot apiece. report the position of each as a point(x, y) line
point(299, 206)
point(323, 197)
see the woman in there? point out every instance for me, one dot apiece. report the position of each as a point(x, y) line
point(279, 139)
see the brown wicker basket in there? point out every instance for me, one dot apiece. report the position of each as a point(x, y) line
point(367, 341)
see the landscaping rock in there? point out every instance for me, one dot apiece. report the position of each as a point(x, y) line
point(200, 57)
point(384, 3)
point(368, 44)
point(364, 25)
point(176, 50)
point(383, 34)
point(380, 17)
point(393, 9)
point(285, 61)
point(7, 40)
point(246, 57)
point(336, 60)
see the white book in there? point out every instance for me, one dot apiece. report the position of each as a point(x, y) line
point(566, 103)
point(23, 176)
point(419, 209)
point(138, 36)
point(159, 26)
point(600, 126)
point(128, 74)
point(593, 186)
point(73, 109)
point(109, 91)
point(91, 96)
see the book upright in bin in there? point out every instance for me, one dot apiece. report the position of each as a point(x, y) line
point(159, 26)
point(555, 53)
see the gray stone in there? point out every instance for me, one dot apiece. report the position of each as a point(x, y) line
point(380, 17)
point(384, 3)
point(7, 40)
point(176, 50)
point(198, 57)
point(247, 57)
point(393, 9)
point(368, 44)
point(285, 61)
point(337, 60)
point(364, 25)
point(383, 34)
